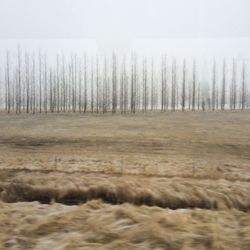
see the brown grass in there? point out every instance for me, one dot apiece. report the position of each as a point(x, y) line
point(171, 193)
point(150, 181)
point(96, 225)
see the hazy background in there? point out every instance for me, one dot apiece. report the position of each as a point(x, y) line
point(203, 28)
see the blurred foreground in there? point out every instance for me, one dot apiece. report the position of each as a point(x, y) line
point(149, 181)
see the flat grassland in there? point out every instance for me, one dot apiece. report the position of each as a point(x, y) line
point(145, 181)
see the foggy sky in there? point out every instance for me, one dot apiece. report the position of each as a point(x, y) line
point(130, 18)
point(209, 26)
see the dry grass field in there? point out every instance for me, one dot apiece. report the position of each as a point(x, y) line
point(145, 181)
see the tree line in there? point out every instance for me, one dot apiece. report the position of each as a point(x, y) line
point(31, 83)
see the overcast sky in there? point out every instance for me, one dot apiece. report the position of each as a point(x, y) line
point(123, 18)
point(204, 25)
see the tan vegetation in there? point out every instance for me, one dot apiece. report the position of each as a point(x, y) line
point(149, 181)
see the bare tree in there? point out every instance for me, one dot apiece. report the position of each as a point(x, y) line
point(223, 89)
point(16, 90)
point(92, 86)
point(233, 86)
point(163, 84)
point(45, 103)
point(214, 86)
point(243, 87)
point(173, 99)
point(7, 77)
point(57, 84)
point(80, 87)
point(70, 86)
point(73, 82)
point(114, 84)
point(133, 84)
point(136, 81)
point(122, 86)
point(27, 77)
point(194, 86)
point(64, 84)
point(51, 107)
point(85, 83)
point(54, 92)
point(105, 83)
point(125, 88)
point(183, 86)
point(33, 85)
point(19, 90)
point(152, 85)
point(40, 82)
point(189, 96)
point(97, 84)
point(145, 94)
point(199, 95)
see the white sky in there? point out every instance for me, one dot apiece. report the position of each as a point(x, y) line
point(123, 18)
point(188, 27)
